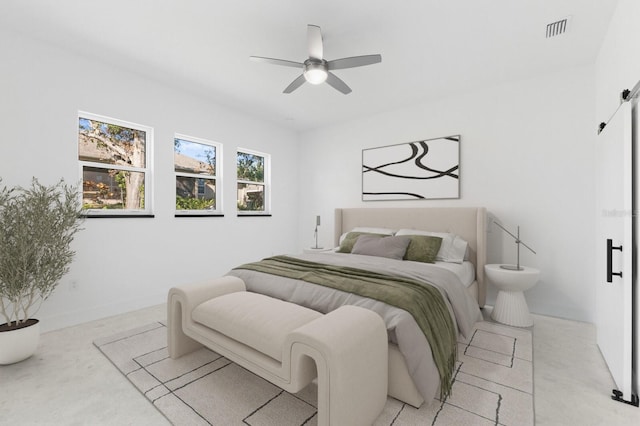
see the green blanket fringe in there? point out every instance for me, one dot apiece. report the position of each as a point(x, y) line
point(424, 302)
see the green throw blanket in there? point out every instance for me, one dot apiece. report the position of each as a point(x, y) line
point(424, 302)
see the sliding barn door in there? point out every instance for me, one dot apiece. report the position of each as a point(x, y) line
point(614, 301)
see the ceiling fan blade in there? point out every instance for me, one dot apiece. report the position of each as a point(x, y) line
point(295, 84)
point(314, 41)
point(276, 61)
point(353, 61)
point(336, 83)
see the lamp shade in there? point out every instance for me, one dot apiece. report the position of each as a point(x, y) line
point(315, 73)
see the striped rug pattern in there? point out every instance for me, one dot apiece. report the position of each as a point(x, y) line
point(493, 384)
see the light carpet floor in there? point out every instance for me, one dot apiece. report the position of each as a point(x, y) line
point(493, 384)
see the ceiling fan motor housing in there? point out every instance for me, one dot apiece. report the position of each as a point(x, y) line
point(315, 70)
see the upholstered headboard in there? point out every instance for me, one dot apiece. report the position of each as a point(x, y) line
point(470, 223)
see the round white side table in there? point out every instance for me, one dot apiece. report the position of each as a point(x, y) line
point(511, 306)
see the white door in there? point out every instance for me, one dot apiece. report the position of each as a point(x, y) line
point(614, 248)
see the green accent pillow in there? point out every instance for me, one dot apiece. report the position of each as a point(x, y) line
point(350, 239)
point(423, 248)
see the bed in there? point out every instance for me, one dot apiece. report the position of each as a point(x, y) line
point(414, 377)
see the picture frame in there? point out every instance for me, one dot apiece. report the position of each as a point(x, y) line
point(421, 170)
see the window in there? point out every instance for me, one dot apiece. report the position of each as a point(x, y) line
point(253, 182)
point(197, 167)
point(115, 166)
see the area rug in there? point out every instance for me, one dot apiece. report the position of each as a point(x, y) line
point(493, 384)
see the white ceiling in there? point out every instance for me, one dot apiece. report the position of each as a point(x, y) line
point(430, 48)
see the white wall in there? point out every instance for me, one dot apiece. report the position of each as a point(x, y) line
point(124, 264)
point(526, 155)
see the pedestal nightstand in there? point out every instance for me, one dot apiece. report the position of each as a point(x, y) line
point(511, 306)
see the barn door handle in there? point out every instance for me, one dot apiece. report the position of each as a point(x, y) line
point(610, 249)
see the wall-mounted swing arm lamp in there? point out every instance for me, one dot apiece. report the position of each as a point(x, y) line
point(517, 267)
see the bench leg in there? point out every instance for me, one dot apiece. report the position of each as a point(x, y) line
point(350, 348)
point(182, 300)
point(178, 343)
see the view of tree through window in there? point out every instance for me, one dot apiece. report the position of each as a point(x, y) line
point(251, 181)
point(114, 164)
point(196, 168)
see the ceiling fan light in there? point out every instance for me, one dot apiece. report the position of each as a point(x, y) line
point(315, 73)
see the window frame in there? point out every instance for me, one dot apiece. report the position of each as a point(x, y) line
point(266, 183)
point(147, 170)
point(217, 177)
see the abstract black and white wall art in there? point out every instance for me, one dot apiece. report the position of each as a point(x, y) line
point(428, 169)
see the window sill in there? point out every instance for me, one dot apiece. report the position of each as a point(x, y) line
point(199, 215)
point(117, 216)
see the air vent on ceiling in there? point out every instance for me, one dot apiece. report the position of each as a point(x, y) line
point(557, 28)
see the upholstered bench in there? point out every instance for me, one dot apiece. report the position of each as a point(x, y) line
point(288, 345)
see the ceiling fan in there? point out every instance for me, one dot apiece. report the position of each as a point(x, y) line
point(316, 69)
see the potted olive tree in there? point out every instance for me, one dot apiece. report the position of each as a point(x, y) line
point(37, 225)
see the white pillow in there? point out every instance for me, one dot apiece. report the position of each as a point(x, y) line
point(452, 249)
point(457, 251)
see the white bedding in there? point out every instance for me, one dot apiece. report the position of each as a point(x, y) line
point(402, 328)
point(465, 271)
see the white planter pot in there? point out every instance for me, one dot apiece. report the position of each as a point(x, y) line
point(20, 344)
